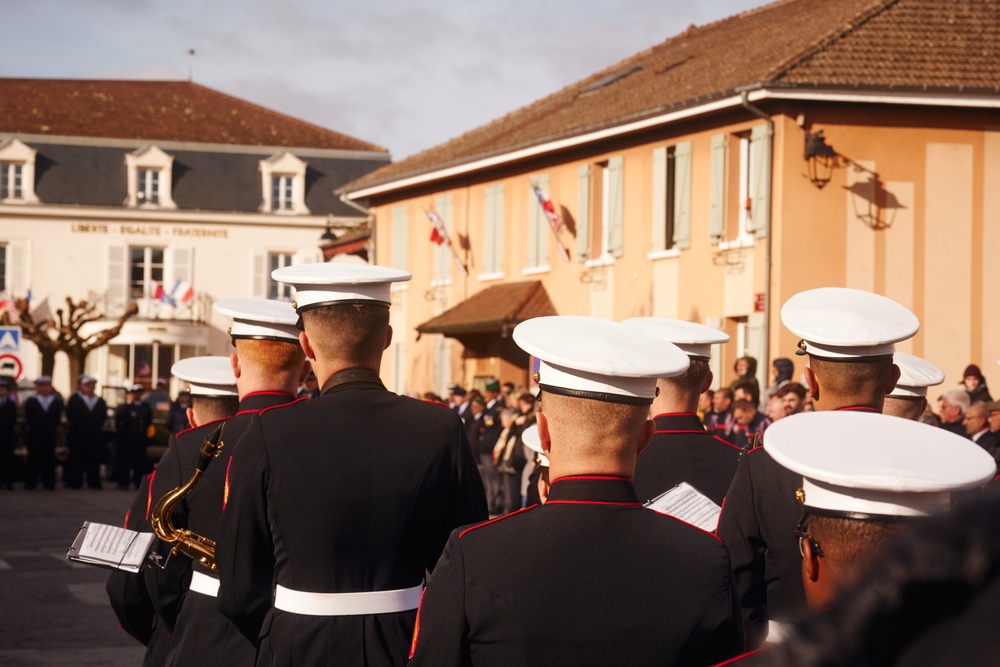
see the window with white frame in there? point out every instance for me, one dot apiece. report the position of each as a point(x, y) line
point(279, 290)
point(671, 199)
point(493, 233)
point(149, 175)
point(283, 183)
point(600, 236)
point(145, 272)
point(740, 187)
point(17, 173)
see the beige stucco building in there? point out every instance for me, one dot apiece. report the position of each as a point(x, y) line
point(683, 189)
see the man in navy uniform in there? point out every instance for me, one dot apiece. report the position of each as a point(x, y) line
point(617, 583)
point(682, 450)
point(490, 429)
point(42, 415)
point(132, 421)
point(338, 505)
point(268, 366)
point(849, 336)
point(86, 413)
point(147, 602)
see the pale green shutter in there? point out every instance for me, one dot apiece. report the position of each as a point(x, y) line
point(118, 274)
point(489, 229)
point(616, 206)
point(583, 213)
point(760, 207)
point(259, 276)
point(717, 212)
point(682, 195)
point(660, 198)
point(399, 239)
point(715, 361)
point(442, 253)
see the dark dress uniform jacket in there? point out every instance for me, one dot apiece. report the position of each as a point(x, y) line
point(130, 600)
point(683, 451)
point(353, 491)
point(615, 584)
point(757, 524)
point(42, 424)
point(201, 634)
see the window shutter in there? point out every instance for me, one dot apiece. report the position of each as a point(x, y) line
point(259, 275)
point(717, 218)
point(615, 206)
point(442, 364)
point(760, 207)
point(182, 261)
point(660, 198)
point(442, 253)
point(118, 267)
point(682, 195)
point(399, 239)
point(754, 346)
point(583, 213)
point(18, 268)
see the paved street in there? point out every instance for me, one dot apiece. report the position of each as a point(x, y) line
point(52, 612)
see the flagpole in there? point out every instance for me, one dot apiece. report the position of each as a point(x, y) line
point(552, 217)
point(439, 225)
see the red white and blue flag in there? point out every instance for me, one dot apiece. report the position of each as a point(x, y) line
point(181, 292)
point(439, 236)
point(550, 212)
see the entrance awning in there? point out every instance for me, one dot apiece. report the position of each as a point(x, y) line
point(496, 309)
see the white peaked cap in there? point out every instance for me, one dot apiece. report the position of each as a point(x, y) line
point(207, 376)
point(696, 340)
point(529, 437)
point(598, 359)
point(327, 284)
point(260, 319)
point(915, 375)
point(866, 463)
point(844, 323)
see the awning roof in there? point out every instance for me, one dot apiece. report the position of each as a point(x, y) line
point(495, 309)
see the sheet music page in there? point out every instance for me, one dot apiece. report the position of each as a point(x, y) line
point(688, 504)
point(113, 546)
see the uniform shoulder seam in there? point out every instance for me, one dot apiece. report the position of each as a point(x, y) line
point(283, 405)
point(496, 520)
point(726, 442)
point(691, 525)
point(195, 428)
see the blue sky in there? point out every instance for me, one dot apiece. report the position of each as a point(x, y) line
point(403, 75)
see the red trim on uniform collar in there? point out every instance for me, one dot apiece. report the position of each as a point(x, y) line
point(283, 405)
point(675, 414)
point(268, 393)
point(737, 658)
point(700, 530)
point(592, 502)
point(593, 478)
point(857, 408)
point(195, 428)
point(681, 430)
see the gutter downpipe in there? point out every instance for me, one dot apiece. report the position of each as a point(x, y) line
point(370, 215)
point(756, 111)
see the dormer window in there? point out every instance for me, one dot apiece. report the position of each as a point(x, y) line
point(283, 180)
point(150, 172)
point(17, 173)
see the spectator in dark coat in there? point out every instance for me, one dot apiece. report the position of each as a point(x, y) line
point(746, 371)
point(975, 385)
point(8, 438)
point(177, 419)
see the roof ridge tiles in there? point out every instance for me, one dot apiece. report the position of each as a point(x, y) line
point(827, 40)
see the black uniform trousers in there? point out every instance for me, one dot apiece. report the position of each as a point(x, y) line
point(683, 451)
point(85, 441)
point(42, 424)
point(130, 599)
point(353, 491)
point(201, 634)
point(613, 584)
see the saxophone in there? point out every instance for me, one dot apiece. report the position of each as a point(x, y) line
point(196, 546)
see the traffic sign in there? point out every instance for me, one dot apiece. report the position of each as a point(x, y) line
point(10, 365)
point(10, 339)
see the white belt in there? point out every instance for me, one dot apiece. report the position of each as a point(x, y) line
point(347, 604)
point(204, 584)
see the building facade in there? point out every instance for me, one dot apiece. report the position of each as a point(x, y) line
point(710, 178)
point(166, 195)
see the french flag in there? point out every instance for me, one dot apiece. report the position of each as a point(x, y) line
point(161, 295)
point(182, 291)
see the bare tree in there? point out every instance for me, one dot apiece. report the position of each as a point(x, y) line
point(62, 332)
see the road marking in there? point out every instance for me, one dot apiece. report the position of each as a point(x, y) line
point(4, 565)
point(92, 594)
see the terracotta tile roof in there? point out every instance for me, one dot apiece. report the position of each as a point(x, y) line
point(497, 308)
point(951, 44)
point(154, 111)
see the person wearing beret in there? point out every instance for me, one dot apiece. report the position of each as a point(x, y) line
point(42, 414)
point(85, 414)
